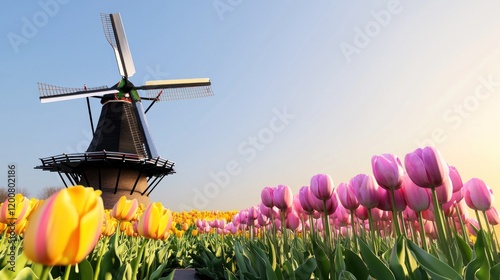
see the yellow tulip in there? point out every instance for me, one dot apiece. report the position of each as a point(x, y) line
point(155, 222)
point(109, 227)
point(65, 228)
point(124, 209)
point(14, 209)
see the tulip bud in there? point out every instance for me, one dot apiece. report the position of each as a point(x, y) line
point(426, 167)
point(266, 196)
point(347, 196)
point(388, 171)
point(417, 198)
point(322, 186)
point(283, 197)
point(155, 222)
point(366, 189)
point(478, 195)
point(124, 209)
point(65, 228)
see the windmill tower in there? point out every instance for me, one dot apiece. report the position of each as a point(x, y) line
point(121, 158)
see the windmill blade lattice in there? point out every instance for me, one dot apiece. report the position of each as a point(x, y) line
point(115, 34)
point(50, 93)
point(182, 93)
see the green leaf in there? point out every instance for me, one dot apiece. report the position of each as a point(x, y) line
point(376, 267)
point(397, 259)
point(272, 253)
point(264, 264)
point(240, 261)
point(230, 275)
point(305, 270)
point(168, 277)
point(125, 272)
point(322, 260)
point(287, 268)
point(435, 267)
point(11, 269)
point(355, 265)
point(346, 275)
point(479, 267)
point(85, 271)
point(110, 263)
point(26, 274)
point(464, 248)
point(338, 260)
point(158, 272)
point(495, 271)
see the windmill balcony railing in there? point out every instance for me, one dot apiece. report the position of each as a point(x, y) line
point(103, 156)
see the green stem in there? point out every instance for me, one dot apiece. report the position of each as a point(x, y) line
point(423, 239)
point(465, 236)
point(442, 237)
point(67, 272)
point(395, 214)
point(372, 232)
point(284, 233)
point(135, 267)
point(101, 253)
point(326, 228)
point(354, 233)
point(494, 253)
point(45, 272)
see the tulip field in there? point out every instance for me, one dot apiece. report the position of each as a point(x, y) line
point(409, 219)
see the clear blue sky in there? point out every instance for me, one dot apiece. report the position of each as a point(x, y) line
point(300, 88)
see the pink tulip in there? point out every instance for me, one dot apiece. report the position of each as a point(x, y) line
point(385, 200)
point(332, 204)
point(376, 214)
point(243, 217)
point(305, 199)
point(292, 221)
point(417, 198)
point(492, 216)
point(426, 167)
point(409, 214)
point(296, 205)
point(362, 213)
point(472, 226)
point(253, 213)
point(283, 197)
point(342, 216)
point(366, 189)
point(444, 192)
point(449, 207)
point(322, 186)
point(347, 196)
point(456, 180)
point(266, 195)
point(388, 171)
point(478, 195)
point(263, 220)
point(429, 230)
point(232, 228)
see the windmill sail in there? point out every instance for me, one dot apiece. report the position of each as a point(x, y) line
point(115, 34)
point(51, 93)
point(177, 89)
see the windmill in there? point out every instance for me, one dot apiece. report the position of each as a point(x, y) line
point(121, 158)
